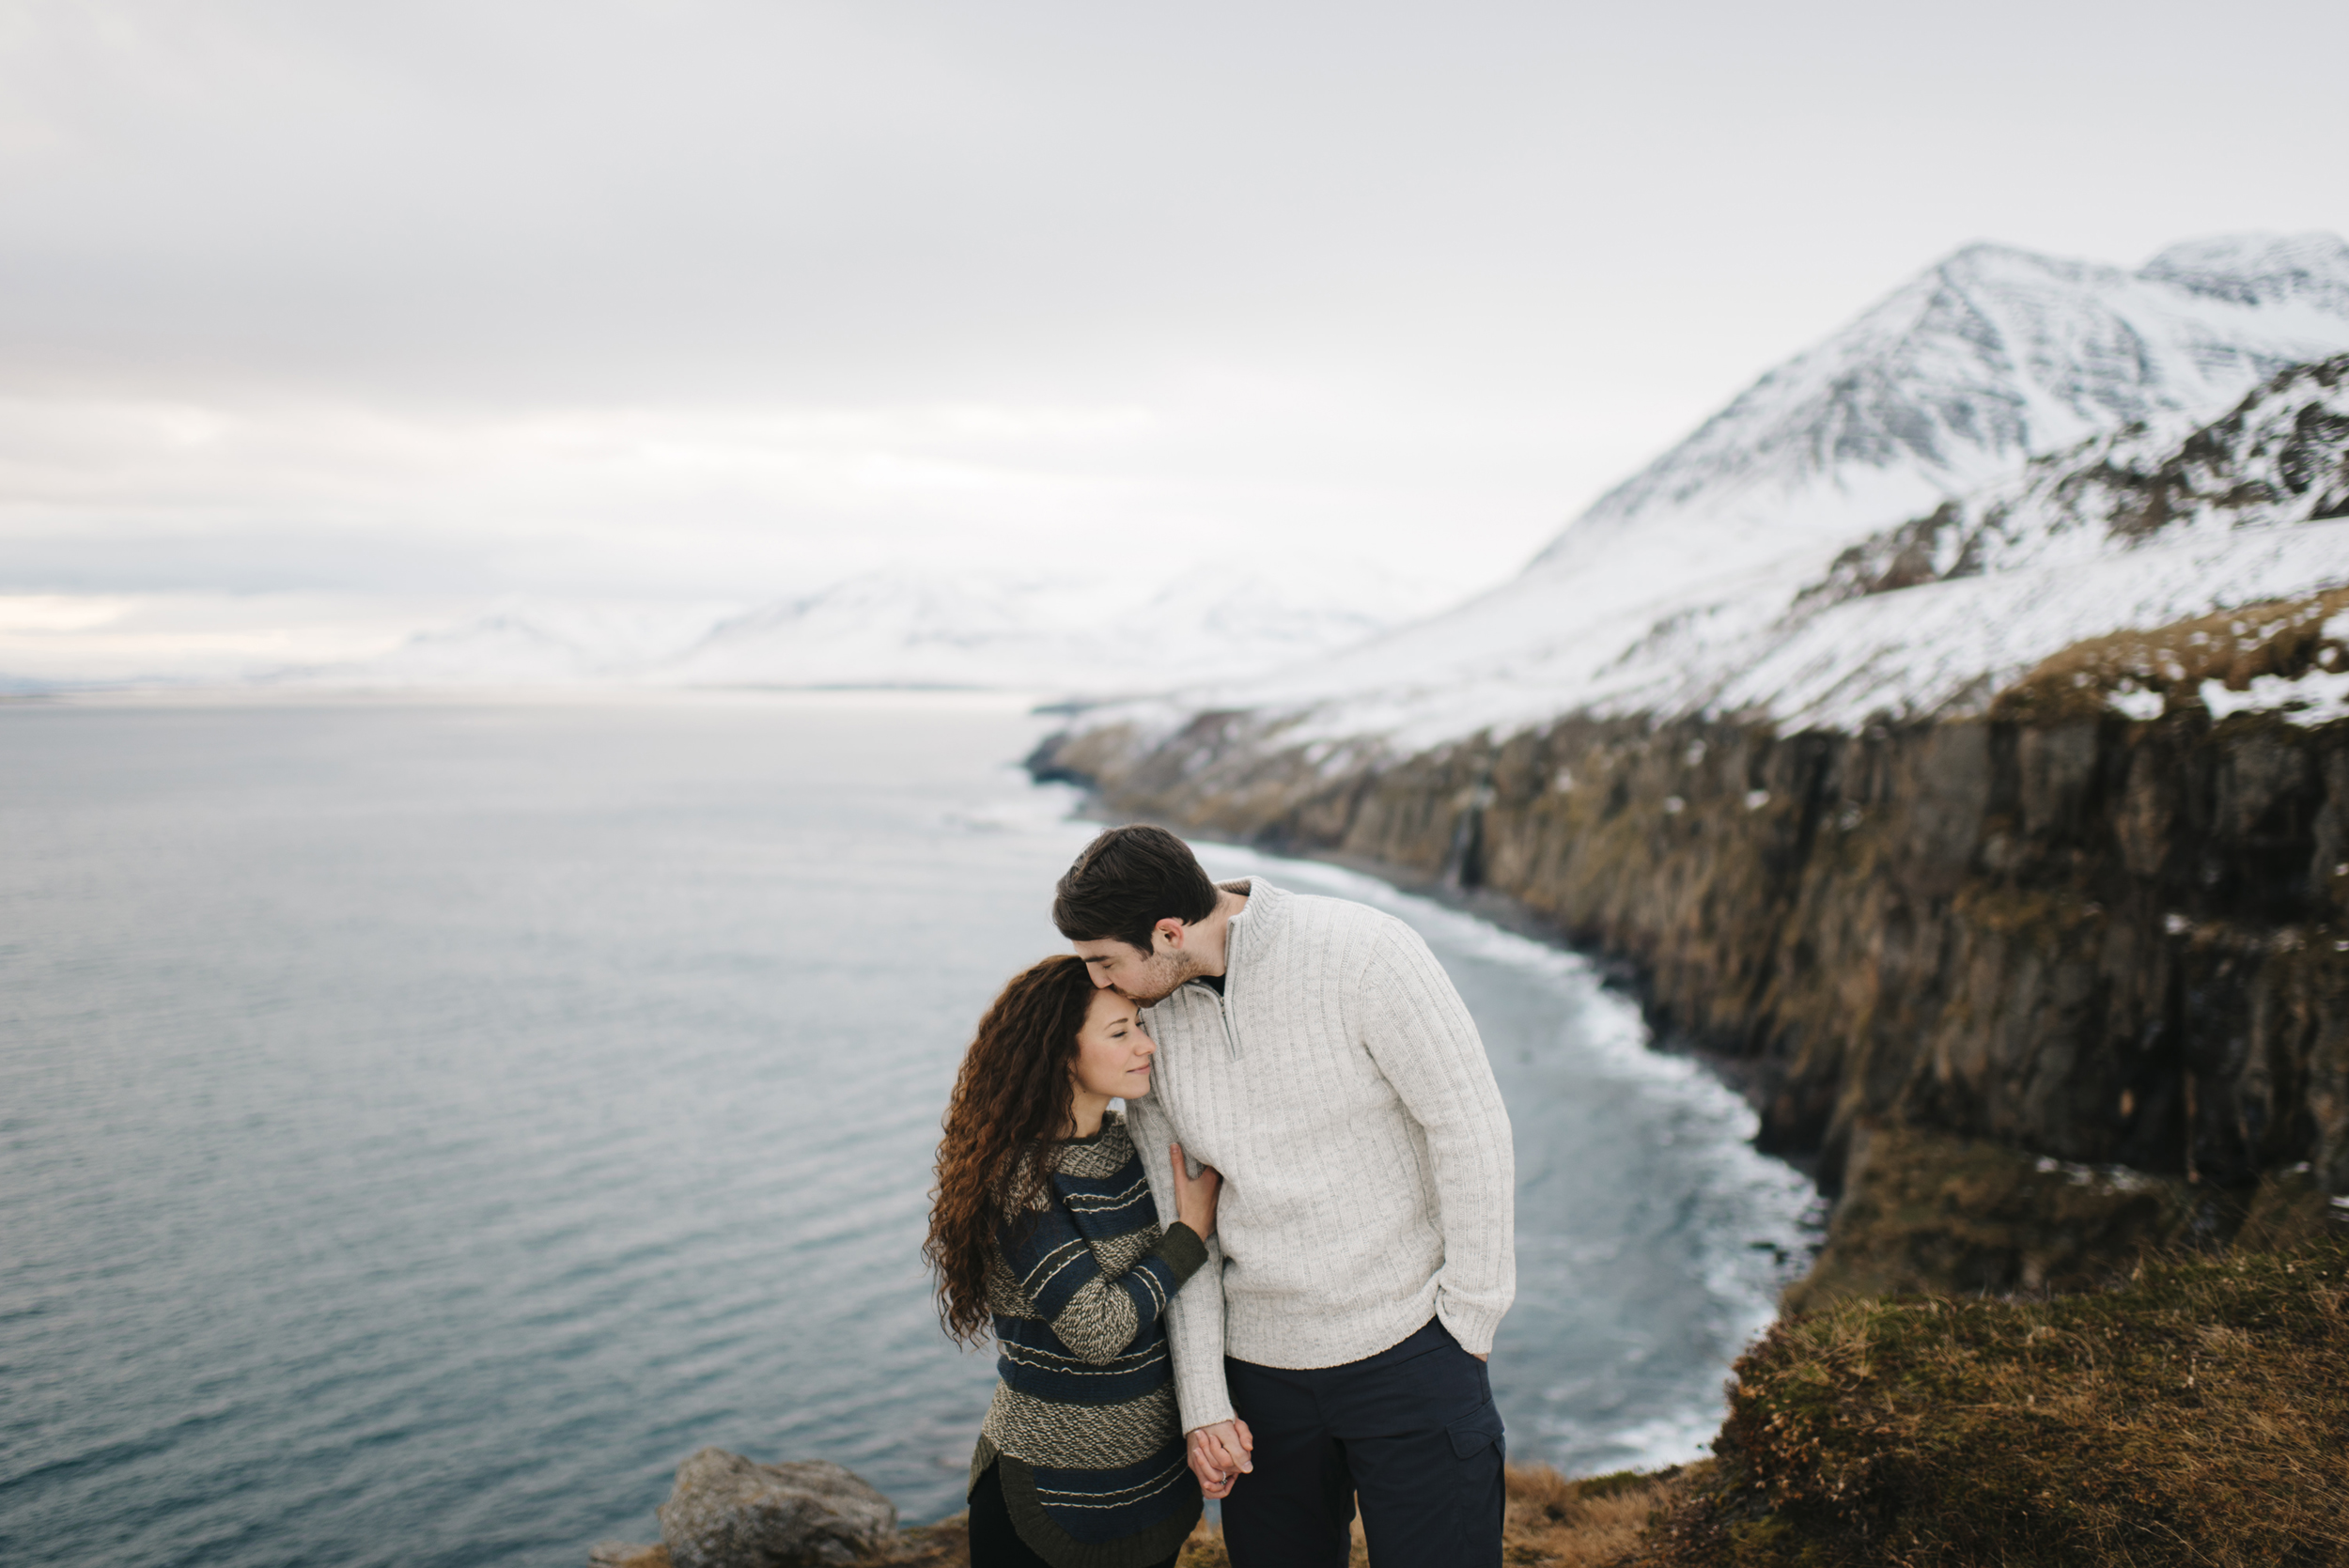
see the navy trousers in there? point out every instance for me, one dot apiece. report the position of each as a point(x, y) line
point(1412, 1430)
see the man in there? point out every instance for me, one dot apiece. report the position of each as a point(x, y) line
point(1313, 1051)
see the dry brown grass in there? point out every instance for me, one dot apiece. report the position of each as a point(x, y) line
point(1557, 1523)
point(933, 1545)
point(1552, 1522)
point(2280, 637)
point(944, 1545)
point(2197, 1415)
point(626, 1554)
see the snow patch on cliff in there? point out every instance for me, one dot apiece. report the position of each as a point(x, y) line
point(2318, 697)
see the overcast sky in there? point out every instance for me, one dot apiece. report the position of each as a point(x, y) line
point(359, 313)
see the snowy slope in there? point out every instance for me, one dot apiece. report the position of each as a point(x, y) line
point(1982, 361)
point(913, 629)
point(879, 629)
point(524, 645)
point(1709, 580)
point(2136, 529)
point(2272, 460)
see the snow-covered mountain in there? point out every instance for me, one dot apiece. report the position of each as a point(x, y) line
point(1981, 361)
point(897, 629)
point(879, 629)
point(526, 645)
point(1728, 574)
point(2140, 529)
point(917, 628)
point(1705, 582)
point(2273, 460)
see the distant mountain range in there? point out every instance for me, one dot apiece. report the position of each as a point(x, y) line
point(912, 629)
point(2040, 449)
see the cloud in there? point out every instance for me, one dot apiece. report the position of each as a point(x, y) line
point(708, 296)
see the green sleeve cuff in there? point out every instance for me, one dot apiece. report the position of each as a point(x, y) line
point(1184, 1252)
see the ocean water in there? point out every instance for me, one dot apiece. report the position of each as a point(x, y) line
point(424, 1122)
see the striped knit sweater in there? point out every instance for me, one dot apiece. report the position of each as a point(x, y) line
point(1338, 1084)
point(1082, 1430)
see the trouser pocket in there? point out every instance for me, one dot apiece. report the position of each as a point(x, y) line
point(1480, 1491)
point(1479, 1431)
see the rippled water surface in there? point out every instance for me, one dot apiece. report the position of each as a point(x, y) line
point(423, 1123)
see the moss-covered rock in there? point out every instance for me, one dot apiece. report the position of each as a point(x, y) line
point(1923, 1212)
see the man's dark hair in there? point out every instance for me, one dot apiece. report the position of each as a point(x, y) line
point(1126, 881)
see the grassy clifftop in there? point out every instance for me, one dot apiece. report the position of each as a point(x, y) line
point(2194, 1412)
point(2199, 1414)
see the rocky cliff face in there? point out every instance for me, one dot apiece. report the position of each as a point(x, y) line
point(2085, 937)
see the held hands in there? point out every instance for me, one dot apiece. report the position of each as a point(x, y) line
point(1220, 1455)
point(1194, 1196)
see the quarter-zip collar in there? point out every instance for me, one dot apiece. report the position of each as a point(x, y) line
point(1244, 936)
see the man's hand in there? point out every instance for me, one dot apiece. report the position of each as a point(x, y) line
point(1220, 1455)
point(1486, 1357)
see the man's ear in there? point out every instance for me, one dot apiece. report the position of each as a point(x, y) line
point(1169, 931)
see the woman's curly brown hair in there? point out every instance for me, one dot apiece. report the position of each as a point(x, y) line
point(1014, 1093)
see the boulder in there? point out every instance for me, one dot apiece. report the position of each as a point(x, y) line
point(728, 1512)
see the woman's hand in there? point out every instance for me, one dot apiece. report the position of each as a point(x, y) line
point(1194, 1196)
point(1220, 1455)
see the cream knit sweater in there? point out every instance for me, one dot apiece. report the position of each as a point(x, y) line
point(1339, 1085)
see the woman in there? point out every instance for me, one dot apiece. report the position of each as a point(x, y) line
point(1043, 1223)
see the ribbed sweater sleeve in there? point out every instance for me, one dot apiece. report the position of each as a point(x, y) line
point(1194, 1320)
point(1099, 1315)
point(1419, 1031)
